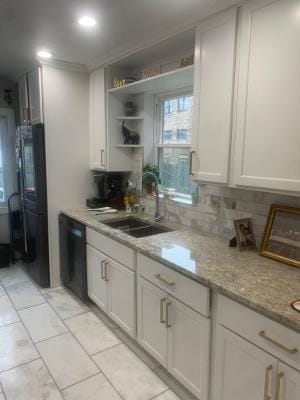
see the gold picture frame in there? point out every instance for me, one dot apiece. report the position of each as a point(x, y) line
point(281, 239)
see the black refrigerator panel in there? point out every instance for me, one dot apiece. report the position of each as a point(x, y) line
point(72, 244)
point(36, 247)
point(34, 169)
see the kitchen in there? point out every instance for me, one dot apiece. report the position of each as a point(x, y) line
point(150, 227)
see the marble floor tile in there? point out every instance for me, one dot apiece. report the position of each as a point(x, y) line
point(168, 395)
point(16, 347)
point(64, 303)
point(29, 382)
point(2, 396)
point(128, 374)
point(2, 291)
point(24, 295)
point(12, 275)
point(8, 314)
point(95, 388)
point(42, 322)
point(92, 334)
point(104, 317)
point(68, 363)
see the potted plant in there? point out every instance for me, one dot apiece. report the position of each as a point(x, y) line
point(150, 177)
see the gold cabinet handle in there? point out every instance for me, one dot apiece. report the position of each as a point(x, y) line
point(164, 280)
point(168, 325)
point(161, 316)
point(191, 161)
point(102, 270)
point(267, 381)
point(278, 382)
point(106, 271)
point(263, 335)
point(101, 155)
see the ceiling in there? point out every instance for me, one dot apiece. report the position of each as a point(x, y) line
point(123, 25)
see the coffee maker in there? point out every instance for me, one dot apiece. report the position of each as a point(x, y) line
point(109, 190)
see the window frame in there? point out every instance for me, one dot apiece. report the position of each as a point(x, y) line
point(9, 159)
point(158, 128)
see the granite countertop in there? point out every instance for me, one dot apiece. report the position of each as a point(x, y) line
point(264, 285)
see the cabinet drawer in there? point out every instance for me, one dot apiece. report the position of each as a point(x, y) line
point(188, 291)
point(275, 338)
point(111, 248)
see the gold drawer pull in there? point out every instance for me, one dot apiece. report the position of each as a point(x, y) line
point(164, 280)
point(278, 382)
point(168, 325)
point(275, 343)
point(267, 381)
point(162, 302)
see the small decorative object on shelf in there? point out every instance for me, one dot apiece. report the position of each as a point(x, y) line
point(122, 82)
point(244, 234)
point(152, 71)
point(129, 109)
point(281, 240)
point(186, 61)
point(130, 137)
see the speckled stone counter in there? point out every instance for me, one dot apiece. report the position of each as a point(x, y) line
point(264, 285)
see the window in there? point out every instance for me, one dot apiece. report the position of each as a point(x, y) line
point(6, 152)
point(183, 103)
point(173, 142)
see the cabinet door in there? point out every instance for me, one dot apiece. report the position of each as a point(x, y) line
point(152, 332)
point(121, 296)
point(213, 95)
point(98, 120)
point(97, 285)
point(287, 383)
point(23, 99)
point(34, 80)
point(268, 118)
point(188, 347)
point(240, 369)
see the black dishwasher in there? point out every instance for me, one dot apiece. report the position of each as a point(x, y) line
point(72, 247)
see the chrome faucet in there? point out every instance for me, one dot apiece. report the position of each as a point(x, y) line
point(157, 215)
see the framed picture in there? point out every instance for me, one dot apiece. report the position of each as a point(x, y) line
point(244, 234)
point(281, 240)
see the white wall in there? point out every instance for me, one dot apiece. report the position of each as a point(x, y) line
point(69, 180)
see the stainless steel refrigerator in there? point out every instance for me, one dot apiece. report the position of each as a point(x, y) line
point(31, 163)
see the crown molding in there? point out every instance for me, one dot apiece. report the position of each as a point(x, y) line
point(64, 65)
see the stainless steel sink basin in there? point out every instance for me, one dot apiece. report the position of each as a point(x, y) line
point(136, 227)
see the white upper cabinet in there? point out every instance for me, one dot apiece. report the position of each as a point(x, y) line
point(30, 97)
point(34, 80)
point(213, 97)
point(23, 99)
point(268, 119)
point(98, 127)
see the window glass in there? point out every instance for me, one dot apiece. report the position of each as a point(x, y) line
point(174, 162)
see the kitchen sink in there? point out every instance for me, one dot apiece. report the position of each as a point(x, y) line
point(136, 227)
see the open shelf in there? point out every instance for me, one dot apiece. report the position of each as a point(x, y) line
point(172, 80)
point(131, 118)
point(129, 145)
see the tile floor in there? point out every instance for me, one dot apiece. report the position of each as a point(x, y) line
point(54, 347)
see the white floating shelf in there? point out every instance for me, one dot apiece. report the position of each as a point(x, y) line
point(131, 118)
point(129, 145)
point(172, 80)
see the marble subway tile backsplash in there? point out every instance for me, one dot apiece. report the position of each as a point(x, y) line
point(218, 206)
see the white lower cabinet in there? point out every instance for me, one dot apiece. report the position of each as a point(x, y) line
point(240, 369)
point(287, 383)
point(97, 286)
point(112, 287)
point(121, 296)
point(152, 333)
point(177, 336)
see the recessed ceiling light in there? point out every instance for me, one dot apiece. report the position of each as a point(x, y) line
point(44, 54)
point(87, 21)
